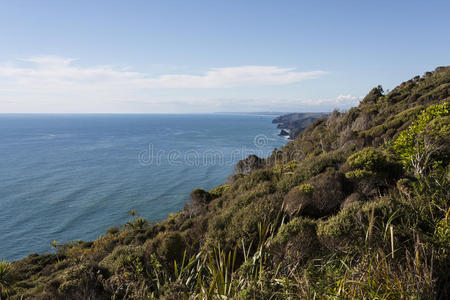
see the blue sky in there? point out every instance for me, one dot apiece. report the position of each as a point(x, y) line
point(209, 56)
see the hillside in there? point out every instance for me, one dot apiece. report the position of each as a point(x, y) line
point(357, 206)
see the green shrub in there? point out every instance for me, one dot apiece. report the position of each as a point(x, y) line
point(219, 190)
point(294, 227)
point(83, 282)
point(442, 233)
point(119, 259)
point(172, 247)
point(373, 95)
point(371, 162)
point(310, 168)
point(358, 174)
point(198, 199)
point(424, 144)
point(341, 225)
point(318, 197)
point(354, 225)
point(294, 243)
point(368, 159)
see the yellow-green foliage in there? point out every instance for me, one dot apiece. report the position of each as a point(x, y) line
point(358, 174)
point(424, 136)
point(121, 257)
point(285, 168)
point(306, 188)
point(294, 227)
point(368, 159)
point(442, 232)
point(392, 122)
point(340, 225)
point(219, 190)
point(368, 162)
point(310, 168)
point(354, 224)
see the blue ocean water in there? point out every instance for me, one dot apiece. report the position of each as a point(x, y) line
point(70, 177)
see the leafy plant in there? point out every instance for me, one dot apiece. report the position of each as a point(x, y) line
point(6, 277)
point(420, 146)
point(219, 190)
point(306, 188)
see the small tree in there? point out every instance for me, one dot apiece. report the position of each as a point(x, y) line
point(373, 95)
point(199, 198)
point(423, 145)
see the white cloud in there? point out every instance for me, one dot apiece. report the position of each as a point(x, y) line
point(57, 84)
point(231, 77)
point(341, 101)
point(48, 69)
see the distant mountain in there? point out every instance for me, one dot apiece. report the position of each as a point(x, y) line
point(262, 113)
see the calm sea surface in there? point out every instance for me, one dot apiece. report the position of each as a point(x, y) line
point(70, 177)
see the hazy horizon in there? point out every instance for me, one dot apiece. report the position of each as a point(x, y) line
point(269, 113)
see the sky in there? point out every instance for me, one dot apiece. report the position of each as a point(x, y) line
point(212, 56)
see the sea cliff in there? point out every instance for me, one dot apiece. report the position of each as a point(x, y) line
point(293, 123)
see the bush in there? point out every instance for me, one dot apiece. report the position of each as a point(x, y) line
point(240, 222)
point(293, 228)
point(369, 168)
point(352, 198)
point(83, 282)
point(310, 168)
point(368, 159)
point(198, 199)
point(119, 259)
point(218, 191)
point(373, 95)
point(442, 233)
point(424, 145)
point(351, 225)
point(342, 228)
point(172, 247)
point(320, 196)
point(248, 165)
point(295, 243)
point(358, 174)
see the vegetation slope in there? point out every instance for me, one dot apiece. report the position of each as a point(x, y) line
point(357, 206)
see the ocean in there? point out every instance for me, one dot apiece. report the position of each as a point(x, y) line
point(70, 177)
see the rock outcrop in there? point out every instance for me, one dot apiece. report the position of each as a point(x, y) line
point(295, 122)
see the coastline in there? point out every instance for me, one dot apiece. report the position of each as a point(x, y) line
point(345, 198)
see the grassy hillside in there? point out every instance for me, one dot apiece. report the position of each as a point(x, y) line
point(357, 206)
